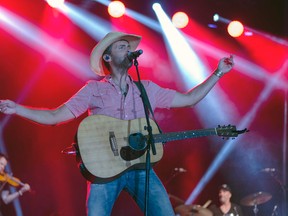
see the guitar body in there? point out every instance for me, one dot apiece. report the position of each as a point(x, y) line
point(107, 146)
point(102, 147)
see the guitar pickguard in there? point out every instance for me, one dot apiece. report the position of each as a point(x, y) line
point(128, 154)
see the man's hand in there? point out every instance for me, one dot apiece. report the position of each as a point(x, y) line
point(26, 187)
point(7, 107)
point(225, 64)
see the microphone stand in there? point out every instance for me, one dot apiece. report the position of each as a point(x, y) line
point(150, 141)
point(284, 189)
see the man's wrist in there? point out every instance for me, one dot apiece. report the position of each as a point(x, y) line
point(17, 107)
point(218, 73)
point(20, 193)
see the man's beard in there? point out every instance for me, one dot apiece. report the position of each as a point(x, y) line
point(125, 64)
point(221, 200)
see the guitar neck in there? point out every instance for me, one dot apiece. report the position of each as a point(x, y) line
point(173, 136)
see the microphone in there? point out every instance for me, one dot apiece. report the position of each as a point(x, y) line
point(268, 170)
point(180, 169)
point(134, 55)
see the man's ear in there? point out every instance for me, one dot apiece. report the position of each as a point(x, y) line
point(106, 57)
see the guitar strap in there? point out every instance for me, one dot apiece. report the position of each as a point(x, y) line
point(147, 102)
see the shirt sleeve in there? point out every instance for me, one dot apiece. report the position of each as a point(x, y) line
point(159, 97)
point(79, 102)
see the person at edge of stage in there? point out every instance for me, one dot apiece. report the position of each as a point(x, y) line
point(6, 196)
point(225, 207)
point(116, 95)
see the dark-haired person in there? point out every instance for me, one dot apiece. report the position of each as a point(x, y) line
point(6, 196)
point(117, 96)
point(225, 207)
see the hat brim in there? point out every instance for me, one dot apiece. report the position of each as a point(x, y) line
point(96, 61)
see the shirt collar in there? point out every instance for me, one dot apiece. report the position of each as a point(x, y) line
point(108, 78)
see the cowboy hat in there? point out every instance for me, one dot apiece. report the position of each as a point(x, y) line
point(96, 60)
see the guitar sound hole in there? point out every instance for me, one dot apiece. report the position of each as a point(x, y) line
point(137, 141)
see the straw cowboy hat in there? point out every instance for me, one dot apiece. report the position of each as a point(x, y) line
point(96, 60)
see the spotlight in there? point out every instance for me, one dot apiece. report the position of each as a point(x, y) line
point(116, 9)
point(213, 26)
point(235, 28)
point(55, 3)
point(156, 6)
point(216, 17)
point(180, 20)
point(248, 33)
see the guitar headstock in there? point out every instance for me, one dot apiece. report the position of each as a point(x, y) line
point(229, 131)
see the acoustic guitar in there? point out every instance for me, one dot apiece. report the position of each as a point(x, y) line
point(107, 147)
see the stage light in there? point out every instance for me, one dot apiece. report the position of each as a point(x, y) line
point(116, 9)
point(216, 17)
point(235, 28)
point(251, 31)
point(213, 26)
point(55, 3)
point(248, 33)
point(180, 20)
point(156, 6)
point(189, 64)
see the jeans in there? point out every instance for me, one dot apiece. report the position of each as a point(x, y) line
point(101, 197)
